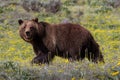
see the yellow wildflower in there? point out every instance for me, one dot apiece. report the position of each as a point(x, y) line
point(60, 70)
point(43, 65)
point(73, 78)
point(118, 64)
point(66, 61)
point(11, 49)
point(115, 73)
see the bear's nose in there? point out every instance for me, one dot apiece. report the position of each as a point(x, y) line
point(27, 33)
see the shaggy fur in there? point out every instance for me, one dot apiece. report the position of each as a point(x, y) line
point(66, 40)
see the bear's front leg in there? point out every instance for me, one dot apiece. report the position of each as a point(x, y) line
point(40, 59)
point(44, 58)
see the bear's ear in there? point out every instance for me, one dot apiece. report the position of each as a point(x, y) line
point(44, 24)
point(20, 21)
point(36, 20)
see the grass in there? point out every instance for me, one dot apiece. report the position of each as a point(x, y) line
point(16, 55)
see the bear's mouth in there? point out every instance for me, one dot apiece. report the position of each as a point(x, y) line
point(28, 38)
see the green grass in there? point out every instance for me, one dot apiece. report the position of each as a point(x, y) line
point(101, 20)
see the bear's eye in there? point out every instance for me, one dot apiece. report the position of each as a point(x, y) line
point(24, 27)
point(32, 28)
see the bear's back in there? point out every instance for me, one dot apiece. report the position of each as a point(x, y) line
point(70, 35)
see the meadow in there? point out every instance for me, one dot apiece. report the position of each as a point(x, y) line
point(100, 17)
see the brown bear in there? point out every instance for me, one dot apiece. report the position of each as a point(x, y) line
point(66, 40)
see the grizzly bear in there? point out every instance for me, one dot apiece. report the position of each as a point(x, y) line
point(66, 40)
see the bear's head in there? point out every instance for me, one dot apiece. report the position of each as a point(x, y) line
point(30, 30)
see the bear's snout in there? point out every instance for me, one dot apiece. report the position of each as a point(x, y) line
point(27, 33)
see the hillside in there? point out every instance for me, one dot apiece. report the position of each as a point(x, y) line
point(100, 17)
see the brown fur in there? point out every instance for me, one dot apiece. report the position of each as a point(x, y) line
point(66, 40)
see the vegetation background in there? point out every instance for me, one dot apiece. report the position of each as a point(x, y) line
point(100, 17)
